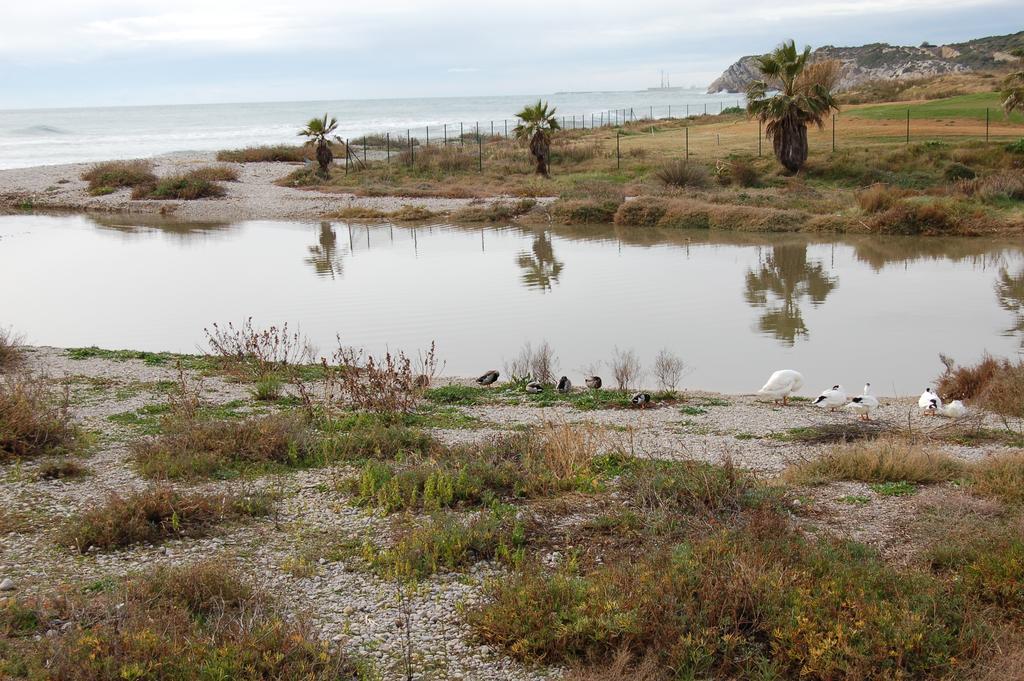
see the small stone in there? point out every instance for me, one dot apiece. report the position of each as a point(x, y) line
point(348, 610)
point(51, 633)
point(7, 584)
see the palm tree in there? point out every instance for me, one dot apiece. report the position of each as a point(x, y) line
point(535, 126)
point(319, 131)
point(1013, 87)
point(803, 94)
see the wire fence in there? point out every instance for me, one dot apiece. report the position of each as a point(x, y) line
point(686, 131)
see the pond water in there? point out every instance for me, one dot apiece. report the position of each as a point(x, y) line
point(734, 306)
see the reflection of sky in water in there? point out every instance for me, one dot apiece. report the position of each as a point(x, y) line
point(734, 306)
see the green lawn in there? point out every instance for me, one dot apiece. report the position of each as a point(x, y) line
point(964, 106)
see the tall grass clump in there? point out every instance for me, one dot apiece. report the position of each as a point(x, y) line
point(204, 620)
point(547, 460)
point(35, 419)
point(683, 174)
point(447, 542)
point(999, 476)
point(878, 198)
point(186, 186)
point(104, 178)
point(279, 153)
point(10, 349)
point(880, 460)
point(155, 515)
point(994, 384)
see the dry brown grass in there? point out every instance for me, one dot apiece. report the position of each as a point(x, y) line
point(215, 174)
point(1000, 476)
point(155, 515)
point(993, 384)
point(35, 419)
point(10, 349)
point(622, 666)
point(880, 460)
point(878, 198)
point(272, 154)
point(61, 469)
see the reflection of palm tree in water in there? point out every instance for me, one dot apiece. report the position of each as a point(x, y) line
point(324, 256)
point(788, 277)
point(1010, 290)
point(540, 268)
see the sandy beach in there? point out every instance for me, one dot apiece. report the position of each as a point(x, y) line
point(254, 196)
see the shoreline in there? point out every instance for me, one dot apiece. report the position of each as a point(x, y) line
point(254, 196)
point(119, 401)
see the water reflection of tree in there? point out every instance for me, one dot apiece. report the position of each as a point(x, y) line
point(540, 267)
point(1010, 290)
point(784, 278)
point(324, 256)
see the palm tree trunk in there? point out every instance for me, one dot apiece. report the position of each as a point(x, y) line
point(541, 150)
point(790, 143)
point(324, 156)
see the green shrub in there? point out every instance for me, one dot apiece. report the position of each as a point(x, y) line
point(199, 621)
point(185, 187)
point(958, 171)
point(445, 542)
point(738, 604)
point(112, 174)
point(1016, 147)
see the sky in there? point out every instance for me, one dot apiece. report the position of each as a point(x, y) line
point(127, 52)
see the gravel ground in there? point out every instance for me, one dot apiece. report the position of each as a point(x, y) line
point(254, 196)
point(361, 610)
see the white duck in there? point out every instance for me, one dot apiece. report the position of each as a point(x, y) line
point(930, 403)
point(864, 404)
point(955, 410)
point(833, 398)
point(782, 384)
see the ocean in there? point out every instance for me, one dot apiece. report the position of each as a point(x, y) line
point(31, 137)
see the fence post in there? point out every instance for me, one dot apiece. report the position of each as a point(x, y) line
point(652, 113)
point(705, 108)
point(446, 134)
point(721, 108)
point(670, 112)
point(428, 135)
point(908, 125)
point(412, 150)
point(387, 142)
point(364, 150)
point(687, 141)
point(347, 152)
point(618, 155)
point(505, 121)
point(480, 150)
point(492, 128)
point(687, 110)
point(462, 135)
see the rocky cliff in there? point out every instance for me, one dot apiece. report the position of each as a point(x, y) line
point(884, 61)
